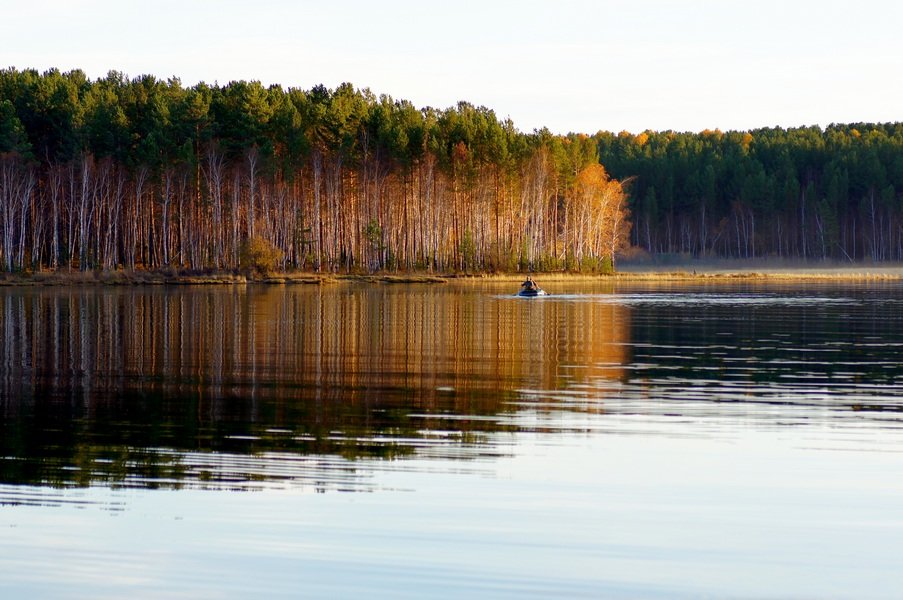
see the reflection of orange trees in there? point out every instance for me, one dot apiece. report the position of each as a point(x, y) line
point(393, 346)
point(116, 375)
point(442, 348)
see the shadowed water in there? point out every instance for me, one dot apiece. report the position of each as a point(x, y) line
point(608, 440)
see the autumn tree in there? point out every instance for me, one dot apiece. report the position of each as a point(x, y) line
point(599, 215)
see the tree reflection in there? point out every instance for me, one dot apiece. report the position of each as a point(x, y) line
point(142, 386)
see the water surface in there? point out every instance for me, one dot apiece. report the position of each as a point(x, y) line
point(631, 441)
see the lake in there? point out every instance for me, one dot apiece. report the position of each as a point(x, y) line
point(616, 440)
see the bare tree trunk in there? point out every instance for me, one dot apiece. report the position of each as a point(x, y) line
point(215, 173)
point(86, 203)
point(253, 158)
point(317, 170)
point(17, 183)
point(236, 219)
point(165, 201)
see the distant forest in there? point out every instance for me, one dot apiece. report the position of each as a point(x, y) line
point(802, 193)
point(145, 173)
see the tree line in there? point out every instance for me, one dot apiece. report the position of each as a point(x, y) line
point(804, 193)
point(141, 172)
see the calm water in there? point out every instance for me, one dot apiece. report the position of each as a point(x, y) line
point(740, 441)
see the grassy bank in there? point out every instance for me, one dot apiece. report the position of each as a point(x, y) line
point(174, 277)
point(793, 275)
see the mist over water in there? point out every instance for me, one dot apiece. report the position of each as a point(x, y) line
point(664, 440)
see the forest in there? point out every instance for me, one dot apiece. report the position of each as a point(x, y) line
point(804, 193)
point(142, 173)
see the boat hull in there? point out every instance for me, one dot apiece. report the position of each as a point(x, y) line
point(532, 293)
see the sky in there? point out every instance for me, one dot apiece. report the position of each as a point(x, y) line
point(569, 65)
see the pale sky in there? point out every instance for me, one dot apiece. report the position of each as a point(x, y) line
point(569, 65)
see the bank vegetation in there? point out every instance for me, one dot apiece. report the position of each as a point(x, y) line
point(143, 174)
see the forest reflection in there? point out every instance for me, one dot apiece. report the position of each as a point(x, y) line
point(148, 386)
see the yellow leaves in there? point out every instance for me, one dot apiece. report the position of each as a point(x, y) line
point(258, 254)
point(639, 139)
point(593, 176)
point(596, 190)
point(459, 152)
point(747, 140)
point(598, 213)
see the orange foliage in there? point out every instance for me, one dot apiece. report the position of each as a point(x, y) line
point(593, 176)
point(459, 152)
point(599, 215)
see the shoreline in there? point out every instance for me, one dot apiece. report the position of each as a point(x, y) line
point(631, 274)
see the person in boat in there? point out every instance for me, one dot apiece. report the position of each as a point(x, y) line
point(529, 285)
